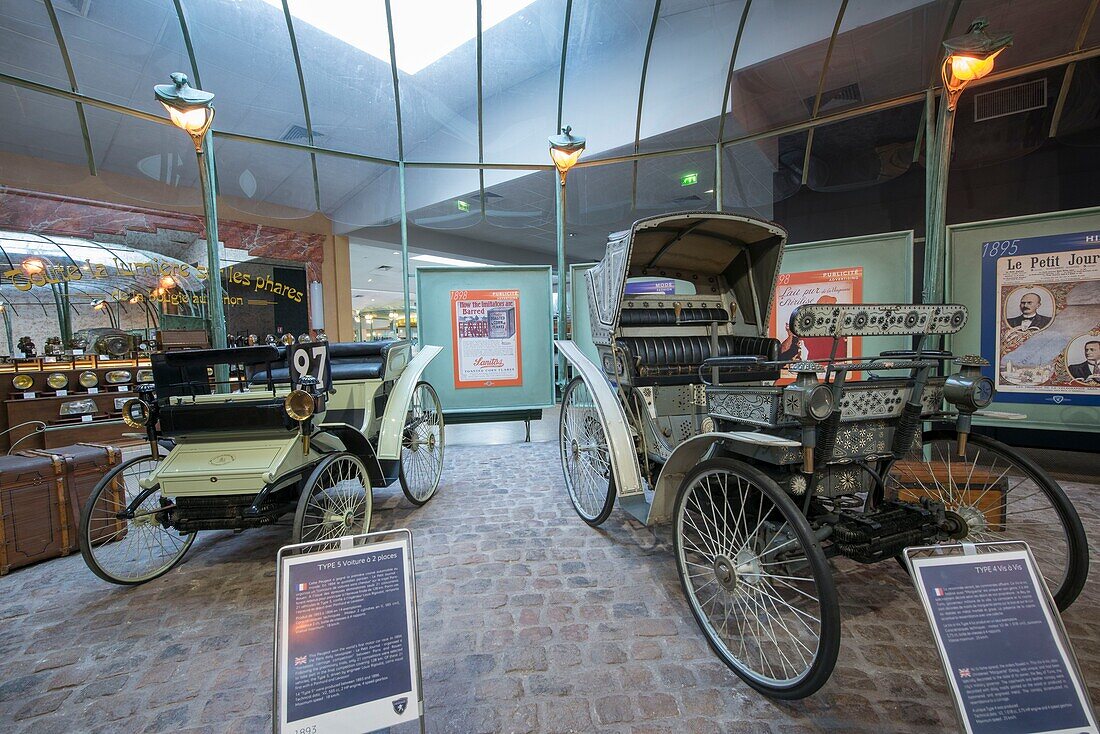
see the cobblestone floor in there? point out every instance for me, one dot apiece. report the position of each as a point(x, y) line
point(531, 622)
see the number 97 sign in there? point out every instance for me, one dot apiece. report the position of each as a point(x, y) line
point(310, 359)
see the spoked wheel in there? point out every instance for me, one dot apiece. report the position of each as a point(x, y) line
point(756, 579)
point(422, 446)
point(336, 500)
point(585, 459)
point(992, 494)
point(129, 548)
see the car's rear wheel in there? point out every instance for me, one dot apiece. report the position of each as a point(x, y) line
point(335, 502)
point(422, 445)
point(126, 547)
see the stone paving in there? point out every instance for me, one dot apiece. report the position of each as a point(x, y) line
point(531, 622)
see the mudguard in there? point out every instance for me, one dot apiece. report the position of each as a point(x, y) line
point(393, 420)
point(624, 457)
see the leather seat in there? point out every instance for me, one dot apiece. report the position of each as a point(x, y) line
point(667, 316)
point(349, 360)
point(675, 360)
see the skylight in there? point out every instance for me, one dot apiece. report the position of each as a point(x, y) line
point(424, 31)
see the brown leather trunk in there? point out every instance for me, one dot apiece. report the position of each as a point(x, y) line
point(85, 465)
point(32, 510)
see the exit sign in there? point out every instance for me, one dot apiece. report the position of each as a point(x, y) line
point(689, 179)
point(463, 206)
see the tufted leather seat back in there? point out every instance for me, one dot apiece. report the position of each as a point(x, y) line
point(350, 361)
point(675, 360)
point(667, 316)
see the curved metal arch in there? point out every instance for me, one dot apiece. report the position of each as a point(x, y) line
point(396, 83)
point(60, 37)
point(561, 68)
point(820, 90)
point(727, 90)
point(305, 100)
point(641, 100)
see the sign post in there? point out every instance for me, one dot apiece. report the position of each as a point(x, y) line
point(1007, 658)
point(347, 648)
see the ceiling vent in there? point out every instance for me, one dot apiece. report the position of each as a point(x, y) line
point(383, 268)
point(833, 98)
point(299, 134)
point(1010, 100)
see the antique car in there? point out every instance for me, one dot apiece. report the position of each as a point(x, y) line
point(769, 468)
point(240, 437)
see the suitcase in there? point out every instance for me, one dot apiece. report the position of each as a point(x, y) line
point(85, 465)
point(32, 510)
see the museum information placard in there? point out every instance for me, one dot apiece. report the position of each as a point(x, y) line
point(1005, 654)
point(346, 645)
point(486, 338)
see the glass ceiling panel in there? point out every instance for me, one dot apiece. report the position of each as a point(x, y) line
point(688, 68)
point(28, 46)
point(603, 68)
point(757, 174)
point(41, 126)
point(864, 151)
point(1041, 28)
point(350, 90)
point(243, 51)
point(521, 60)
point(438, 95)
point(265, 180)
point(885, 49)
point(358, 194)
point(120, 50)
point(779, 66)
point(149, 162)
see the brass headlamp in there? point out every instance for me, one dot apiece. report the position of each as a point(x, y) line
point(968, 390)
point(301, 404)
point(810, 402)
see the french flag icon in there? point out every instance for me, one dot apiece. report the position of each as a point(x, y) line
point(939, 591)
point(304, 587)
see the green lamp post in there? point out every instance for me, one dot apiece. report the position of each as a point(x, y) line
point(968, 57)
point(565, 151)
point(191, 110)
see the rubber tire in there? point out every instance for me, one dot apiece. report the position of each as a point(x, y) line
point(1078, 548)
point(829, 641)
point(442, 452)
point(612, 492)
point(314, 477)
point(86, 518)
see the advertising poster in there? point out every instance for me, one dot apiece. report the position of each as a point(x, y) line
point(837, 285)
point(636, 286)
point(347, 634)
point(1041, 318)
point(1009, 667)
point(486, 338)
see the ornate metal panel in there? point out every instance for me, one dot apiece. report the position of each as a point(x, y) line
point(757, 406)
point(877, 319)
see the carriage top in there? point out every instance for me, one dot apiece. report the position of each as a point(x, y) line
point(732, 260)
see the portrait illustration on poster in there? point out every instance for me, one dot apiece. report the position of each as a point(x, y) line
point(486, 338)
point(1041, 318)
point(837, 285)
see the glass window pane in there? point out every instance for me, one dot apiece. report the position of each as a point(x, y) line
point(438, 93)
point(883, 50)
point(263, 179)
point(676, 182)
point(864, 151)
point(40, 126)
point(603, 68)
point(143, 160)
point(244, 57)
point(120, 50)
point(778, 66)
point(28, 46)
point(358, 194)
point(443, 198)
point(601, 200)
point(522, 200)
point(1079, 125)
point(688, 68)
point(344, 49)
point(521, 64)
point(759, 173)
point(1041, 29)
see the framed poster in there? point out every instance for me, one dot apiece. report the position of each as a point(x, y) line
point(834, 285)
point(485, 338)
point(1041, 317)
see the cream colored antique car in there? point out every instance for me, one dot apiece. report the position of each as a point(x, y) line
point(307, 429)
point(684, 419)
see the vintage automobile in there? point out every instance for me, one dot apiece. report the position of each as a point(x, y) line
point(306, 429)
point(685, 419)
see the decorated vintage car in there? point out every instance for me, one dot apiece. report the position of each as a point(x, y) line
point(241, 437)
point(684, 419)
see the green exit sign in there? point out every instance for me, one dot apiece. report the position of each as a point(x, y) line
point(689, 179)
point(463, 206)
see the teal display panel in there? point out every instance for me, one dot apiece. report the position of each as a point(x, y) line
point(874, 268)
point(580, 320)
point(1032, 286)
point(495, 327)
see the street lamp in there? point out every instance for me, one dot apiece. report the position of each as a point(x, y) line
point(565, 151)
point(967, 57)
point(190, 110)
